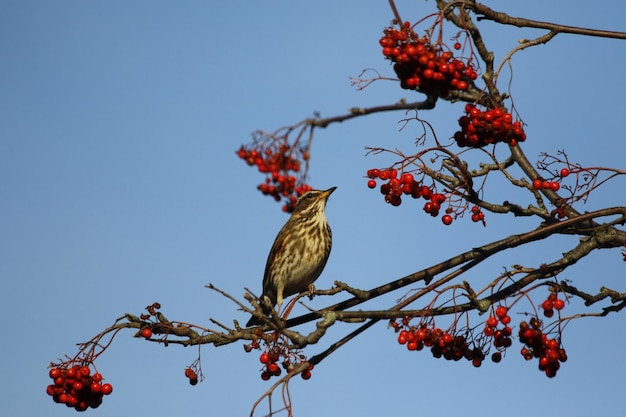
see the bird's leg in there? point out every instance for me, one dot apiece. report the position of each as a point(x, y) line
point(279, 298)
point(311, 291)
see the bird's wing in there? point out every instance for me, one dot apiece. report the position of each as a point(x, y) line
point(269, 286)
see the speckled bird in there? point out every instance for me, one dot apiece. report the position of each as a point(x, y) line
point(300, 251)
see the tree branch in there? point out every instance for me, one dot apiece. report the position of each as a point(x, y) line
point(427, 104)
point(503, 18)
point(477, 255)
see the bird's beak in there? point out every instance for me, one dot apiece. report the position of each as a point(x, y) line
point(328, 192)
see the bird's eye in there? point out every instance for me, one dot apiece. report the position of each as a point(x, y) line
point(309, 195)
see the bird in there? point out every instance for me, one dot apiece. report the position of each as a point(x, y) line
point(300, 251)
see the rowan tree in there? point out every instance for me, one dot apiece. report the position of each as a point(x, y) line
point(522, 309)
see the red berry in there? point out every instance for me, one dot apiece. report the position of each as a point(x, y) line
point(371, 183)
point(446, 219)
point(457, 46)
point(547, 304)
point(406, 178)
point(526, 353)
point(420, 335)
point(492, 321)
point(537, 183)
point(555, 186)
point(413, 345)
point(95, 387)
point(402, 337)
point(373, 173)
point(564, 172)
point(54, 373)
point(386, 42)
point(264, 358)
point(544, 361)
point(306, 374)
point(426, 192)
point(84, 371)
point(97, 377)
point(501, 312)
point(438, 198)
point(559, 304)
point(71, 373)
point(107, 389)
point(146, 333)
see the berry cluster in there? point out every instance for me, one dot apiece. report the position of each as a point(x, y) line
point(538, 345)
point(395, 185)
point(278, 162)
point(501, 337)
point(442, 344)
point(192, 375)
point(450, 346)
point(539, 184)
point(478, 215)
point(552, 303)
point(272, 368)
point(277, 347)
point(405, 184)
point(422, 65)
point(75, 387)
point(480, 128)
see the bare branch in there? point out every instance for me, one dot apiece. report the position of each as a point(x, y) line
point(427, 104)
point(487, 13)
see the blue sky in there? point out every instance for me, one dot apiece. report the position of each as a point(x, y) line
point(120, 187)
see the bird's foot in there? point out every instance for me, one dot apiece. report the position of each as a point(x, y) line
point(311, 292)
